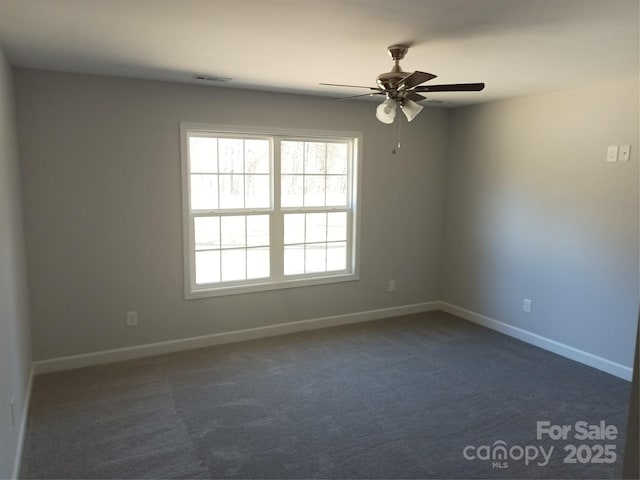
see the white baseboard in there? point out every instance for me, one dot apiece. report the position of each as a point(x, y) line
point(545, 343)
point(150, 349)
point(128, 353)
point(23, 426)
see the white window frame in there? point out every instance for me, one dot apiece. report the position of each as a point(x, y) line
point(277, 280)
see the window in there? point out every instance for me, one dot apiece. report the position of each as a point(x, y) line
point(266, 209)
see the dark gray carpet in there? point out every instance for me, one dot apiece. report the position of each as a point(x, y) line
point(398, 398)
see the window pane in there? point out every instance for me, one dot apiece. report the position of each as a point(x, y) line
point(207, 232)
point(258, 263)
point(293, 259)
point(337, 190)
point(291, 157)
point(230, 151)
point(316, 227)
point(336, 256)
point(232, 232)
point(314, 190)
point(233, 264)
point(294, 228)
point(337, 158)
point(207, 267)
point(204, 192)
point(234, 202)
point(256, 156)
point(315, 258)
point(231, 191)
point(314, 158)
point(203, 154)
point(257, 230)
point(291, 190)
point(337, 226)
point(258, 193)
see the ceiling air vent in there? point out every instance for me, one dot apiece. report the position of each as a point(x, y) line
point(211, 78)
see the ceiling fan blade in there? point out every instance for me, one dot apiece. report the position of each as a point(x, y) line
point(416, 97)
point(357, 96)
point(453, 87)
point(416, 78)
point(351, 86)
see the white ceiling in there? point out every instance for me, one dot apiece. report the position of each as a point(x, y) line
point(515, 46)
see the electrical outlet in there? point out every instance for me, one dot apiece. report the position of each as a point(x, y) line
point(526, 305)
point(132, 319)
point(391, 286)
point(612, 153)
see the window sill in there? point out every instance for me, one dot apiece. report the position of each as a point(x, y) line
point(207, 292)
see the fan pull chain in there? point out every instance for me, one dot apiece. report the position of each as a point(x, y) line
point(396, 140)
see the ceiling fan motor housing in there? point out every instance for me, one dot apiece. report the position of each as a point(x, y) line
point(389, 81)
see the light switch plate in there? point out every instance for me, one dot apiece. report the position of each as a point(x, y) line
point(625, 153)
point(612, 153)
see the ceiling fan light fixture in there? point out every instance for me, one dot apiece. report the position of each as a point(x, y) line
point(411, 109)
point(386, 111)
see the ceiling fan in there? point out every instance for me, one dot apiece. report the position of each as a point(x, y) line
point(404, 89)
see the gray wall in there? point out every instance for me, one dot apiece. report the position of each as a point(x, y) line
point(534, 211)
point(101, 170)
point(15, 344)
